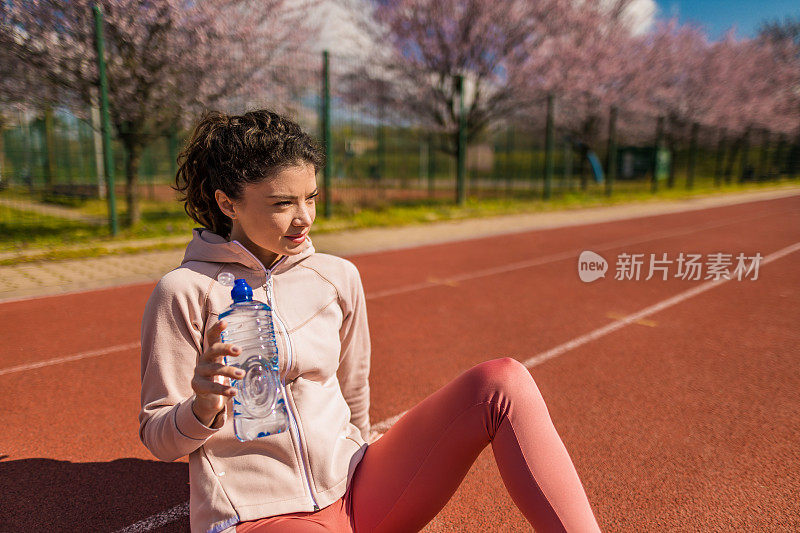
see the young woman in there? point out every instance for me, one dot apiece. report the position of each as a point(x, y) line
point(250, 182)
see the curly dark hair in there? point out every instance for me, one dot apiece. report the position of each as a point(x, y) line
point(227, 152)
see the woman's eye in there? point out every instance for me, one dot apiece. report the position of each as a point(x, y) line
point(287, 202)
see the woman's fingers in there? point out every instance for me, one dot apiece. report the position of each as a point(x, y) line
point(218, 369)
point(205, 386)
point(219, 349)
point(214, 333)
point(210, 365)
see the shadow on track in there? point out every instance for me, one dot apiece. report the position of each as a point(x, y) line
point(51, 495)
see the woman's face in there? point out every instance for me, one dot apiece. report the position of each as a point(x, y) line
point(272, 210)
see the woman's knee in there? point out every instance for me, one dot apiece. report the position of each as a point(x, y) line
point(504, 375)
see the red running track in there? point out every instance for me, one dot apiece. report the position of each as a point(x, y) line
point(684, 420)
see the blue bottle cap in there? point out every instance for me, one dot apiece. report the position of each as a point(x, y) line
point(241, 291)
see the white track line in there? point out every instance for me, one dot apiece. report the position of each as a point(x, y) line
point(59, 360)
point(511, 234)
point(647, 311)
point(383, 426)
point(158, 520)
point(552, 258)
point(570, 254)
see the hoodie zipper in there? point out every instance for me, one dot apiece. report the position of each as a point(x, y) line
point(292, 416)
point(271, 297)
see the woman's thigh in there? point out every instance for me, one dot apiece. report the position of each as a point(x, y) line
point(408, 475)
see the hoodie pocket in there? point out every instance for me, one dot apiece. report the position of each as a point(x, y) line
point(267, 467)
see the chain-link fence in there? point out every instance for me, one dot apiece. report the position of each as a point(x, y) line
point(53, 185)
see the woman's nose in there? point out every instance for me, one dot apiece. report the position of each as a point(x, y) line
point(304, 216)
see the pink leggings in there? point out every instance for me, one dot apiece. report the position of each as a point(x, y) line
point(408, 475)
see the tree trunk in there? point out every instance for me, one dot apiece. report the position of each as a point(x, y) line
point(763, 161)
point(588, 135)
point(672, 124)
point(733, 155)
point(746, 172)
point(777, 156)
point(671, 144)
point(509, 158)
point(793, 157)
point(721, 148)
point(134, 153)
point(690, 164)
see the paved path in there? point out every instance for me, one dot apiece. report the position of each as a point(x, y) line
point(56, 277)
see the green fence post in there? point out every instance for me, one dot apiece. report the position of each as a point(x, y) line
point(106, 122)
point(461, 149)
point(692, 155)
point(611, 164)
point(549, 147)
point(326, 131)
point(659, 142)
point(97, 146)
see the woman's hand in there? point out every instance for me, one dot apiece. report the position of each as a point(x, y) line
point(209, 373)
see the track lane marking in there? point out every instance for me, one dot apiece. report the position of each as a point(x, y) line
point(560, 256)
point(633, 318)
point(383, 426)
point(17, 299)
point(453, 281)
point(157, 520)
point(648, 323)
point(76, 357)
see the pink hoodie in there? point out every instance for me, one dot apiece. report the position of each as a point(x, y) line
point(321, 326)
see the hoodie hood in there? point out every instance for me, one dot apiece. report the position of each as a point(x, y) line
point(212, 248)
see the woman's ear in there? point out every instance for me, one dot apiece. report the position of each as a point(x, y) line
point(225, 204)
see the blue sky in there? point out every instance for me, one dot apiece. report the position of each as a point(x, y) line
point(719, 15)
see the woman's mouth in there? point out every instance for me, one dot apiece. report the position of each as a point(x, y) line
point(298, 237)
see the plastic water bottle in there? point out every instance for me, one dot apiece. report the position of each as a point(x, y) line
point(259, 407)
